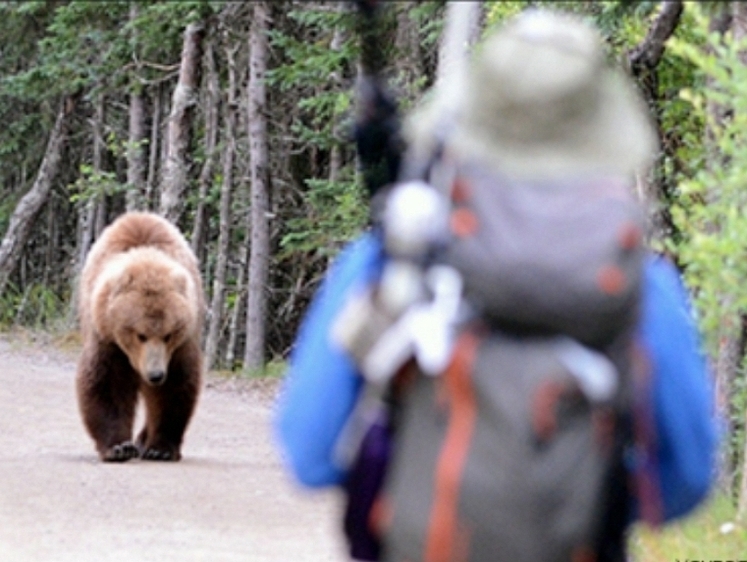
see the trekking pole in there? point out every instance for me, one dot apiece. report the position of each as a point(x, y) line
point(367, 28)
point(377, 124)
point(459, 29)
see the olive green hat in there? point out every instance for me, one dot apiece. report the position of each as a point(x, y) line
point(539, 100)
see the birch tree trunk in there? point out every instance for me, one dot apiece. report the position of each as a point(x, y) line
point(23, 217)
point(98, 202)
point(224, 236)
point(135, 196)
point(153, 148)
point(135, 158)
point(174, 180)
point(212, 103)
point(235, 322)
point(260, 242)
point(89, 215)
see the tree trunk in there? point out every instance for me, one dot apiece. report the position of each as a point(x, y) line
point(135, 156)
point(407, 46)
point(50, 272)
point(25, 213)
point(212, 105)
point(98, 210)
point(90, 213)
point(224, 236)
point(153, 152)
point(174, 181)
point(260, 243)
point(335, 154)
point(643, 61)
point(235, 323)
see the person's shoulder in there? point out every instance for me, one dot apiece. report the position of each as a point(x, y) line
point(661, 277)
point(360, 258)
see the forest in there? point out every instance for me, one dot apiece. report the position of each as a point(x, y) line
point(233, 120)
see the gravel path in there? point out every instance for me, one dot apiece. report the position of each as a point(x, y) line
point(227, 500)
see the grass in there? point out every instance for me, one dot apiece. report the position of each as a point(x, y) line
point(709, 534)
point(274, 370)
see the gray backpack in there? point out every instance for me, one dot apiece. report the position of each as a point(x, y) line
point(515, 452)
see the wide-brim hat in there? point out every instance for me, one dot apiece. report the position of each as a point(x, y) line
point(539, 100)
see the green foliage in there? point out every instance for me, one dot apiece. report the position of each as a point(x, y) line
point(272, 370)
point(496, 12)
point(37, 306)
point(321, 77)
point(308, 67)
point(79, 49)
point(87, 45)
point(92, 184)
point(335, 212)
point(712, 208)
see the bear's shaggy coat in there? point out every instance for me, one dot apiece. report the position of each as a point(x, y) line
point(141, 308)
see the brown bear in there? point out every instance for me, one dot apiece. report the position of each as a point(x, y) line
point(141, 308)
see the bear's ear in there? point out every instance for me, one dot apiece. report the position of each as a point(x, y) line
point(181, 283)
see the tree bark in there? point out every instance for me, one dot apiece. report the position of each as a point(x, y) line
point(153, 152)
point(173, 183)
point(98, 203)
point(335, 154)
point(135, 196)
point(25, 213)
point(224, 236)
point(135, 158)
point(408, 60)
point(254, 352)
point(643, 61)
point(647, 55)
point(91, 211)
point(235, 322)
point(212, 109)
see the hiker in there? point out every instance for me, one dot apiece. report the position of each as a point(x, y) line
point(538, 113)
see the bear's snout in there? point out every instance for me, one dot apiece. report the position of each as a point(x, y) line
point(155, 366)
point(156, 377)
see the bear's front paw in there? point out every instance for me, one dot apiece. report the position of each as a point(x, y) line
point(120, 453)
point(161, 453)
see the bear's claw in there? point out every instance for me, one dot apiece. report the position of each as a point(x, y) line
point(154, 454)
point(122, 452)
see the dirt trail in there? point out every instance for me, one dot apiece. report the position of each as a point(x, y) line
point(227, 500)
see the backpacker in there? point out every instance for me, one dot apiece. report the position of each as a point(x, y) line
point(514, 449)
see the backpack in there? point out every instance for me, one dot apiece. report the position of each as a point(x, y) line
point(516, 450)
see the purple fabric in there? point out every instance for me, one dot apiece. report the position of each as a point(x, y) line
point(362, 487)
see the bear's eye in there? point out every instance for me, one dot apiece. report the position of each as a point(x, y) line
point(142, 337)
point(166, 338)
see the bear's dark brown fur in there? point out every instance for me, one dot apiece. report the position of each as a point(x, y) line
point(141, 308)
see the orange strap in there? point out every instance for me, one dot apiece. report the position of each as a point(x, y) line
point(445, 541)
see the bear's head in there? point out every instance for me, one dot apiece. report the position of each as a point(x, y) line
point(144, 302)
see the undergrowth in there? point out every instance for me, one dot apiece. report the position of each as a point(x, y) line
point(709, 534)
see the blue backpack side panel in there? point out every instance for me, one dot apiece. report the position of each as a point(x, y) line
point(322, 384)
point(686, 436)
